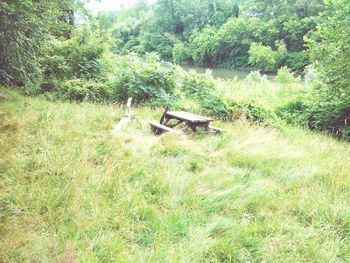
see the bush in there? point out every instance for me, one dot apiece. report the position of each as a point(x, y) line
point(255, 76)
point(329, 48)
point(285, 76)
point(82, 90)
point(281, 53)
point(329, 113)
point(311, 75)
point(202, 90)
point(144, 80)
point(332, 117)
point(252, 111)
point(316, 110)
point(25, 28)
point(153, 40)
point(262, 57)
point(235, 38)
point(84, 56)
point(181, 54)
point(296, 111)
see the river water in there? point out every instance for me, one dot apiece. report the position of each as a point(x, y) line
point(219, 73)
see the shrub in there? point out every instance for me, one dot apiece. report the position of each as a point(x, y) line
point(281, 53)
point(262, 57)
point(311, 75)
point(285, 76)
point(235, 38)
point(81, 90)
point(252, 111)
point(204, 46)
point(297, 61)
point(202, 90)
point(181, 54)
point(197, 85)
point(84, 56)
point(50, 85)
point(296, 111)
point(255, 76)
point(332, 117)
point(330, 48)
point(316, 110)
point(153, 40)
point(329, 113)
point(144, 80)
point(25, 28)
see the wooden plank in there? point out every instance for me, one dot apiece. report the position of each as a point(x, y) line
point(159, 128)
point(125, 119)
point(186, 116)
point(216, 129)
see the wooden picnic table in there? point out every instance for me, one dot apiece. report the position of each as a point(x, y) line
point(191, 120)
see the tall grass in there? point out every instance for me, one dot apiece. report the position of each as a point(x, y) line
point(269, 93)
point(72, 191)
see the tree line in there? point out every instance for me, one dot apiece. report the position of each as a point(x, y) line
point(264, 35)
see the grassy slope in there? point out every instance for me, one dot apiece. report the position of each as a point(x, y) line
point(71, 190)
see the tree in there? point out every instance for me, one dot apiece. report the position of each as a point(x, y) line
point(330, 49)
point(235, 38)
point(268, 9)
point(106, 19)
point(25, 26)
point(204, 46)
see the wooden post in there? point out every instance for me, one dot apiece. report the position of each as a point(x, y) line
point(128, 107)
point(125, 119)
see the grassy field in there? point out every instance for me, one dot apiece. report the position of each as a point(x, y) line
point(70, 191)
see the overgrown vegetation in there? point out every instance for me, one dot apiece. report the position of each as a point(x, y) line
point(25, 27)
point(100, 60)
point(268, 189)
point(71, 191)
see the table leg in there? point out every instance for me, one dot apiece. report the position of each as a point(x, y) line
point(193, 127)
point(180, 121)
point(203, 125)
point(164, 120)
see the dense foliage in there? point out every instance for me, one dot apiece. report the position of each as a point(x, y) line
point(25, 27)
point(330, 49)
point(147, 80)
point(85, 55)
point(217, 33)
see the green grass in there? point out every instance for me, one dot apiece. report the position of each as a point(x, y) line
point(70, 190)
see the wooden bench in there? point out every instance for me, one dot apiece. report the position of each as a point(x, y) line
point(160, 128)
